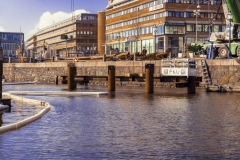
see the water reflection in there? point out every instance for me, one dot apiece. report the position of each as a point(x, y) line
point(1, 121)
point(129, 124)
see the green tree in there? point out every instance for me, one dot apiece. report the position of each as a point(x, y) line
point(194, 48)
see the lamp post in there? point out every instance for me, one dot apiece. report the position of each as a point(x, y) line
point(230, 26)
point(196, 13)
point(135, 54)
point(119, 41)
point(155, 34)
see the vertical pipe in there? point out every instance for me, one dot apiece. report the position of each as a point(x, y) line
point(111, 78)
point(191, 85)
point(149, 68)
point(71, 74)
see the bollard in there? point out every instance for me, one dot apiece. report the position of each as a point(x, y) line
point(1, 69)
point(191, 85)
point(111, 78)
point(56, 80)
point(52, 58)
point(9, 59)
point(104, 57)
point(149, 68)
point(71, 74)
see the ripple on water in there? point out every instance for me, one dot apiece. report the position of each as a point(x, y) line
point(129, 124)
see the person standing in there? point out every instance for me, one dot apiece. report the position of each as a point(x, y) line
point(144, 51)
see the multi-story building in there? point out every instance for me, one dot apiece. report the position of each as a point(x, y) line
point(12, 43)
point(80, 36)
point(159, 25)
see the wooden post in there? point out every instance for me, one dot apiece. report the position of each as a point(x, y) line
point(191, 85)
point(71, 73)
point(104, 57)
point(4, 101)
point(111, 78)
point(1, 69)
point(56, 80)
point(149, 68)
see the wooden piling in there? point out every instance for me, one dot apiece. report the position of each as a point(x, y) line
point(56, 80)
point(71, 73)
point(149, 68)
point(191, 86)
point(111, 78)
point(1, 69)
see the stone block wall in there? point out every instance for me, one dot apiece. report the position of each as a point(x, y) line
point(224, 71)
point(221, 71)
point(47, 72)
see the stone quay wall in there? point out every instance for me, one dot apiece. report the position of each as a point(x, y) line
point(46, 72)
point(224, 71)
point(221, 71)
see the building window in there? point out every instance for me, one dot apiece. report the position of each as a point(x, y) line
point(175, 29)
point(190, 27)
point(160, 43)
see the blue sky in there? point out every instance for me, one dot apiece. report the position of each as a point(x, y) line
point(31, 15)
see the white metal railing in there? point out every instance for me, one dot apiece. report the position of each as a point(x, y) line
point(184, 62)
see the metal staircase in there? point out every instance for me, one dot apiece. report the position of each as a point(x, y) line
point(205, 73)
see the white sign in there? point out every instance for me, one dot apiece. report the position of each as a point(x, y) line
point(178, 72)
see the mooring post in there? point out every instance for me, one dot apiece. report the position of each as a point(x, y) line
point(71, 73)
point(56, 80)
point(111, 78)
point(104, 57)
point(191, 85)
point(149, 68)
point(1, 69)
point(3, 101)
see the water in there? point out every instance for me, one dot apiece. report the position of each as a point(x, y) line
point(129, 124)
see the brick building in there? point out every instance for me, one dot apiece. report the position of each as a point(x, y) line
point(80, 36)
point(158, 25)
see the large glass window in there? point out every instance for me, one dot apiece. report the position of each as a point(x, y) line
point(217, 28)
point(136, 48)
point(160, 30)
point(190, 27)
point(160, 43)
point(175, 29)
point(148, 44)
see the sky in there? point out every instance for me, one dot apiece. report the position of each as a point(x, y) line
point(28, 16)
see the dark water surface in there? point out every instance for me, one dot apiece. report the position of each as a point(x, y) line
point(129, 124)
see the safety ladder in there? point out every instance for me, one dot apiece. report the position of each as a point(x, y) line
point(205, 73)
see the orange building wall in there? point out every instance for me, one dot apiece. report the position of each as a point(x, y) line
point(101, 32)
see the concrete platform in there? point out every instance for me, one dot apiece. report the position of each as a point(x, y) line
point(222, 88)
point(56, 93)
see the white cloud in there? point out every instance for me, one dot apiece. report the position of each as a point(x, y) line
point(2, 29)
point(48, 18)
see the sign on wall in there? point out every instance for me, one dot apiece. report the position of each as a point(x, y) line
point(178, 72)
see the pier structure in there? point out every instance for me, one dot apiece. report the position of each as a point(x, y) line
point(182, 71)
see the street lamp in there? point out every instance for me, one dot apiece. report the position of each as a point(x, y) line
point(135, 54)
point(119, 41)
point(196, 13)
point(230, 26)
point(155, 34)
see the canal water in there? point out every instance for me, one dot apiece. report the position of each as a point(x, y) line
point(128, 124)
